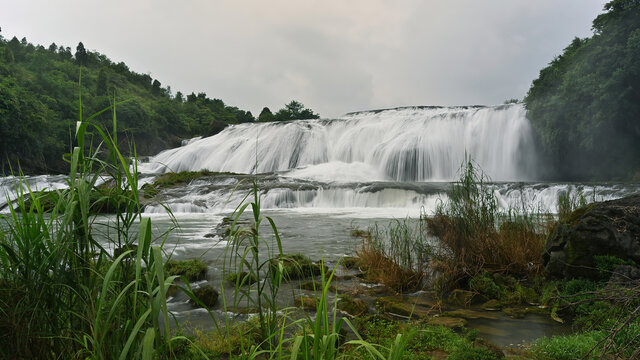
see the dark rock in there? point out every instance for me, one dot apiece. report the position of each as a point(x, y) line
point(207, 295)
point(625, 275)
point(605, 228)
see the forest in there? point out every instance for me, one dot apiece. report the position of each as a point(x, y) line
point(41, 89)
point(585, 106)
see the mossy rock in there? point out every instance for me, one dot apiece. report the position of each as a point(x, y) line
point(244, 278)
point(315, 286)
point(518, 312)
point(305, 302)
point(296, 266)
point(149, 191)
point(207, 295)
point(354, 307)
point(485, 284)
point(470, 314)
point(450, 322)
point(349, 262)
point(401, 307)
point(464, 297)
point(192, 270)
point(491, 305)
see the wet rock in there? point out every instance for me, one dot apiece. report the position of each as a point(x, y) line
point(296, 266)
point(207, 295)
point(448, 321)
point(349, 262)
point(244, 278)
point(518, 312)
point(491, 305)
point(305, 302)
point(470, 314)
point(605, 228)
point(354, 307)
point(402, 307)
point(465, 297)
point(315, 286)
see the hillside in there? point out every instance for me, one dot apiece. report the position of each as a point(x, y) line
point(39, 98)
point(585, 105)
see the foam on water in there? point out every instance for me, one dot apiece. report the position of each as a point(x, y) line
point(410, 144)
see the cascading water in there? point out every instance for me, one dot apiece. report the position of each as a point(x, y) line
point(406, 144)
point(398, 159)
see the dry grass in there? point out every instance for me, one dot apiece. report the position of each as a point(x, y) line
point(380, 268)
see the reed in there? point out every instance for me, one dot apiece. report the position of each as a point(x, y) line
point(475, 236)
point(64, 293)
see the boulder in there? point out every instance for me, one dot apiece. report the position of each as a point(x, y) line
point(207, 295)
point(604, 228)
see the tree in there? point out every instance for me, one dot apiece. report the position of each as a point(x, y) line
point(81, 54)
point(585, 105)
point(101, 84)
point(53, 47)
point(155, 87)
point(265, 115)
point(295, 111)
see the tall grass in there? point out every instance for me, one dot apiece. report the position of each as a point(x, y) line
point(397, 254)
point(64, 294)
point(475, 236)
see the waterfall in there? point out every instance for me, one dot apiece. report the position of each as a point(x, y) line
point(404, 144)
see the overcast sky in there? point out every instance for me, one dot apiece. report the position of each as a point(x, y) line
point(333, 56)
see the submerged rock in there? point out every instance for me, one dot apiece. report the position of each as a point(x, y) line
point(605, 228)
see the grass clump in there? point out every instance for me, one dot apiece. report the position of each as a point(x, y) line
point(192, 270)
point(233, 340)
point(396, 255)
point(475, 236)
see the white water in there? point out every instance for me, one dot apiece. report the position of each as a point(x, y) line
point(409, 144)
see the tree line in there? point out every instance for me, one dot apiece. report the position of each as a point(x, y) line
point(40, 89)
point(585, 105)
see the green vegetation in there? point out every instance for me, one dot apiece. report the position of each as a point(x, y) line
point(396, 255)
point(64, 295)
point(291, 111)
point(295, 266)
point(191, 270)
point(585, 104)
point(39, 89)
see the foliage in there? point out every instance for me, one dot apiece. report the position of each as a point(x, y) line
point(291, 111)
point(569, 347)
point(397, 254)
point(39, 90)
point(475, 236)
point(64, 294)
point(585, 104)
